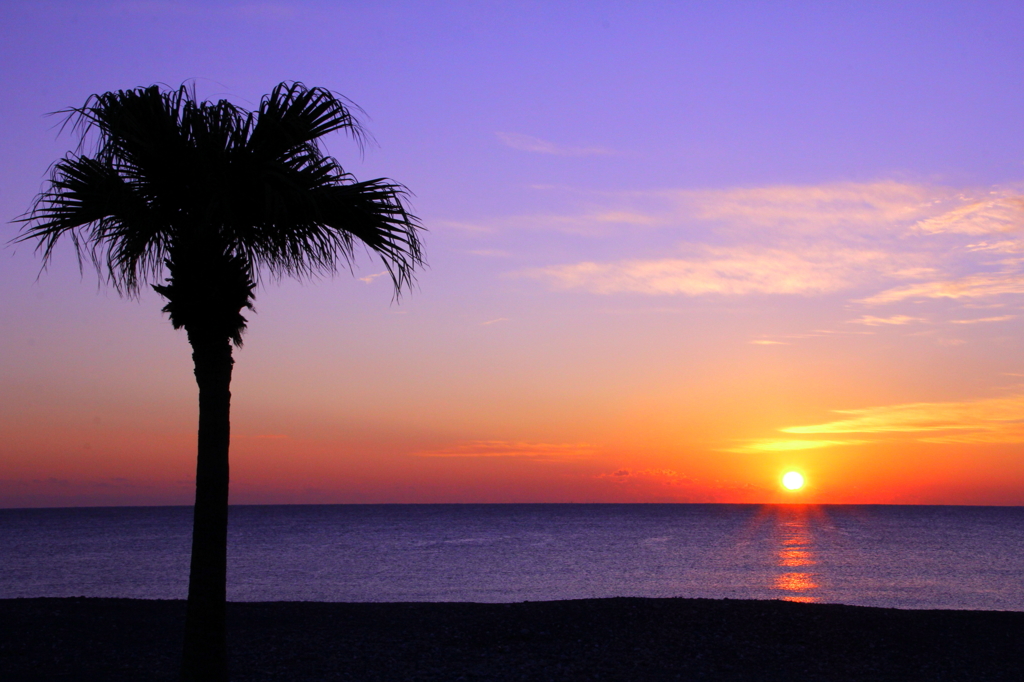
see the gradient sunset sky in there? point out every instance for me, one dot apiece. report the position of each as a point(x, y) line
point(675, 250)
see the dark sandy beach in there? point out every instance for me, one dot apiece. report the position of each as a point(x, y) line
point(114, 640)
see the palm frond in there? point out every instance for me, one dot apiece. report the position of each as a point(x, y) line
point(293, 117)
point(170, 173)
point(90, 202)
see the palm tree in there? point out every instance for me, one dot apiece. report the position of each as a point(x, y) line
point(213, 197)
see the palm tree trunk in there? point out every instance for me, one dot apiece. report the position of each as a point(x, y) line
point(205, 653)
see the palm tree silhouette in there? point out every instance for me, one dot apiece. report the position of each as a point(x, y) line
point(213, 197)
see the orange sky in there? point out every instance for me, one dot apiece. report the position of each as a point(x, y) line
point(374, 402)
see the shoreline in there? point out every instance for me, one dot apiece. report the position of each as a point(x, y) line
point(114, 640)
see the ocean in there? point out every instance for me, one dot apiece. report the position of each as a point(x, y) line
point(918, 557)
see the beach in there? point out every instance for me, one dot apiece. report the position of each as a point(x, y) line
point(115, 640)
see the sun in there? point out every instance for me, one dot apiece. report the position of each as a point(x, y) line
point(793, 480)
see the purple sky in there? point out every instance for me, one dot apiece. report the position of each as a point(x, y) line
point(667, 239)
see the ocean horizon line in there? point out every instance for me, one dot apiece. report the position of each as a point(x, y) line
point(528, 504)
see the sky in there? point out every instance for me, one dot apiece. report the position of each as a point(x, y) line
point(674, 250)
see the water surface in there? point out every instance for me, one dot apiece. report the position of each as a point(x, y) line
point(899, 556)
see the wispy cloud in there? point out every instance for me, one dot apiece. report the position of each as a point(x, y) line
point(528, 143)
point(996, 213)
point(901, 241)
point(873, 321)
point(815, 209)
point(663, 476)
point(972, 286)
point(671, 485)
point(728, 270)
point(1001, 318)
point(494, 321)
point(514, 449)
point(993, 420)
point(782, 445)
point(369, 278)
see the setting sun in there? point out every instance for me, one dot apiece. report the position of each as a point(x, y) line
point(793, 480)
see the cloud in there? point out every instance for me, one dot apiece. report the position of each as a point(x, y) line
point(528, 143)
point(768, 342)
point(870, 208)
point(369, 278)
point(830, 211)
point(1005, 246)
point(494, 321)
point(998, 213)
point(972, 286)
point(888, 241)
point(873, 321)
point(1010, 433)
point(1001, 318)
point(669, 485)
point(780, 445)
point(514, 449)
point(822, 210)
point(661, 476)
point(814, 209)
point(993, 420)
point(727, 270)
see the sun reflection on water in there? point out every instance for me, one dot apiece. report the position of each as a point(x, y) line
point(797, 551)
point(796, 557)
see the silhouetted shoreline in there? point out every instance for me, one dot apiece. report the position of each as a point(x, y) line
point(116, 640)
